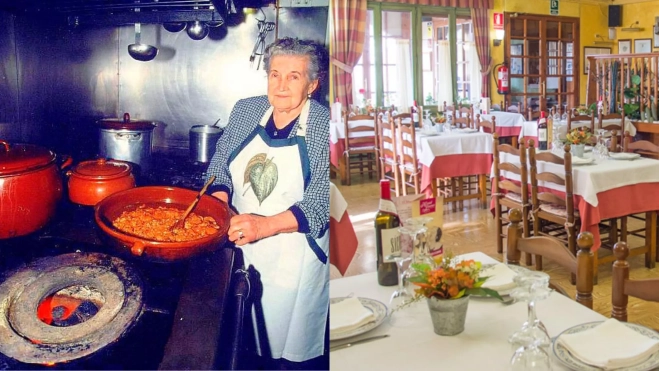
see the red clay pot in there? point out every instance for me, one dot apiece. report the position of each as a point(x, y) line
point(92, 181)
point(112, 206)
point(30, 187)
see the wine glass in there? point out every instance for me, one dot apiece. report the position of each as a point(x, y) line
point(531, 287)
point(417, 227)
point(427, 122)
point(565, 113)
point(530, 357)
point(401, 296)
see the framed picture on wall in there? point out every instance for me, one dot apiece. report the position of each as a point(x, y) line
point(592, 50)
point(642, 46)
point(624, 47)
point(656, 40)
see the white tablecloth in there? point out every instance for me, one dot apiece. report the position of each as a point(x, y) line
point(530, 128)
point(482, 346)
point(338, 204)
point(505, 119)
point(338, 131)
point(603, 175)
point(453, 143)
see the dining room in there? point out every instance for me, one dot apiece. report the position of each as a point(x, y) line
point(488, 140)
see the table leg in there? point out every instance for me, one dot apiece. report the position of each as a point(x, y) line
point(515, 142)
point(482, 184)
point(651, 238)
point(342, 170)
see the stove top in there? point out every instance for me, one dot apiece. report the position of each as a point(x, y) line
point(171, 319)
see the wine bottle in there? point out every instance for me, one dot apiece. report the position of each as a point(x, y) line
point(387, 237)
point(542, 131)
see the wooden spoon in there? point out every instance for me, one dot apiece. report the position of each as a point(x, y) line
point(181, 222)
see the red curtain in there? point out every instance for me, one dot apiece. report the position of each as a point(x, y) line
point(347, 43)
point(474, 4)
point(479, 18)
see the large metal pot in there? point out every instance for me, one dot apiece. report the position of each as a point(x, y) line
point(127, 140)
point(111, 207)
point(92, 181)
point(203, 139)
point(30, 187)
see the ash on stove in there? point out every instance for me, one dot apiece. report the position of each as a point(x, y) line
point(176, 171)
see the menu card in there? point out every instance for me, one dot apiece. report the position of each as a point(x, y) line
point(417, 205)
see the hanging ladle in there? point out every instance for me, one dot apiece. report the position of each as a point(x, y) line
point(181, 222)
point(139, 51)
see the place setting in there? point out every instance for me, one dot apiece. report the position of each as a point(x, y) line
point(354, 316)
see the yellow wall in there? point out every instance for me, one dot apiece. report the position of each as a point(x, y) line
point(644, 13)
point(593, 20)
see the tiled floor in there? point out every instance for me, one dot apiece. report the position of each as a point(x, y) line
point(472, 229)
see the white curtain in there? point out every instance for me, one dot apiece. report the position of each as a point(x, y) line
point(404, 69)
point(444, 88)
point(475, 79)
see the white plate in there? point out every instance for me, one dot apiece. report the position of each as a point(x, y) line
point(379, 309)
point(429, 134)
point(516, 268)
point(624, 156)
point(588, 149)
point(573, 363)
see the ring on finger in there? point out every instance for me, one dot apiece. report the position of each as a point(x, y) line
point(241, 235)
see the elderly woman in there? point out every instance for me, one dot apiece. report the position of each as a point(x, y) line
point(272, 168)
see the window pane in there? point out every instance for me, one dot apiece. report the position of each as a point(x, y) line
point(516, 27)
point(532, 28)
point(397, 57)
point(567, 31)
point(534, 66)
point(516, 66)
point(363, 75)
point(516, 47)
point(552, 29)
point(517, 85)
point(437, 78)
point(534, 48)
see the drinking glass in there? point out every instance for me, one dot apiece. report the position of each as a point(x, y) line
point(565, 113)
point(531, 287)
point(403, 255)
point(530, 357)
point(416, 228)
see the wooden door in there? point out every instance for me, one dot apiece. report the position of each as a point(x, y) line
point(542, 53)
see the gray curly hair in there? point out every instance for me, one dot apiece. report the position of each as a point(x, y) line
point(317, 53)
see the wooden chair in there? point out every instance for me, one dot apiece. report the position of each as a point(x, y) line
point(491, 126)
point(643, 147)
point(573, 119)
point(406, 155)
point(360, 147)
point(386, 133)
point(507, 193)
point(617, 130)
point(580, 265)
point(622, 287)
point(532, 115)
point(553, 215)
point(465, 119)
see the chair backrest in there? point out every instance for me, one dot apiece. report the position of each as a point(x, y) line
point(580, 121)
point(622, 287)
point(357, 130)
point(565, 180)
point(406, 146)
point(490, 125)
point(611, 116)
point(404, 118)
point(643, 147)
point(464, 121)
point(519, 168)
point(582, 265)
point(386, 133)
point(532, 115)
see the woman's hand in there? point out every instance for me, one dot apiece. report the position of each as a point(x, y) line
point(246, 228)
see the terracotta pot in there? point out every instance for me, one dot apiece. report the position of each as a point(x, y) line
point(30, 187)
point(92, 181)
point(112, 206)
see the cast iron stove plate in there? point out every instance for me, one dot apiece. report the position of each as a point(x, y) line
point(28, 339)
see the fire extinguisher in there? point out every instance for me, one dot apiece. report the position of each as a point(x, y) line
point(501, 74)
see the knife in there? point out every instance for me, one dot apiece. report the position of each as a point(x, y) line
point(360, 341)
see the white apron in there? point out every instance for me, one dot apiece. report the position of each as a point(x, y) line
point(269, 176)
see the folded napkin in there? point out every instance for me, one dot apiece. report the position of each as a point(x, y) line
point(349, 314)
point(501, 278)
point(611, 345)
point(581, 161)
point(338, 204)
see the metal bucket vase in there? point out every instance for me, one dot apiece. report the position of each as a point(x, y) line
point(577, 150)
point(448, 315)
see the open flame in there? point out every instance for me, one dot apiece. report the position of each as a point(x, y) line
point(57, 308)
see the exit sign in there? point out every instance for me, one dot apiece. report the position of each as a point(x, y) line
point(498, 21)
point(553, 7)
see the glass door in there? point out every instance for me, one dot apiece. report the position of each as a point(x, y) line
point(542, 55)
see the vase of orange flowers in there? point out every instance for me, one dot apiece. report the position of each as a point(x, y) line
point(447, 289)
point(577, 139)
